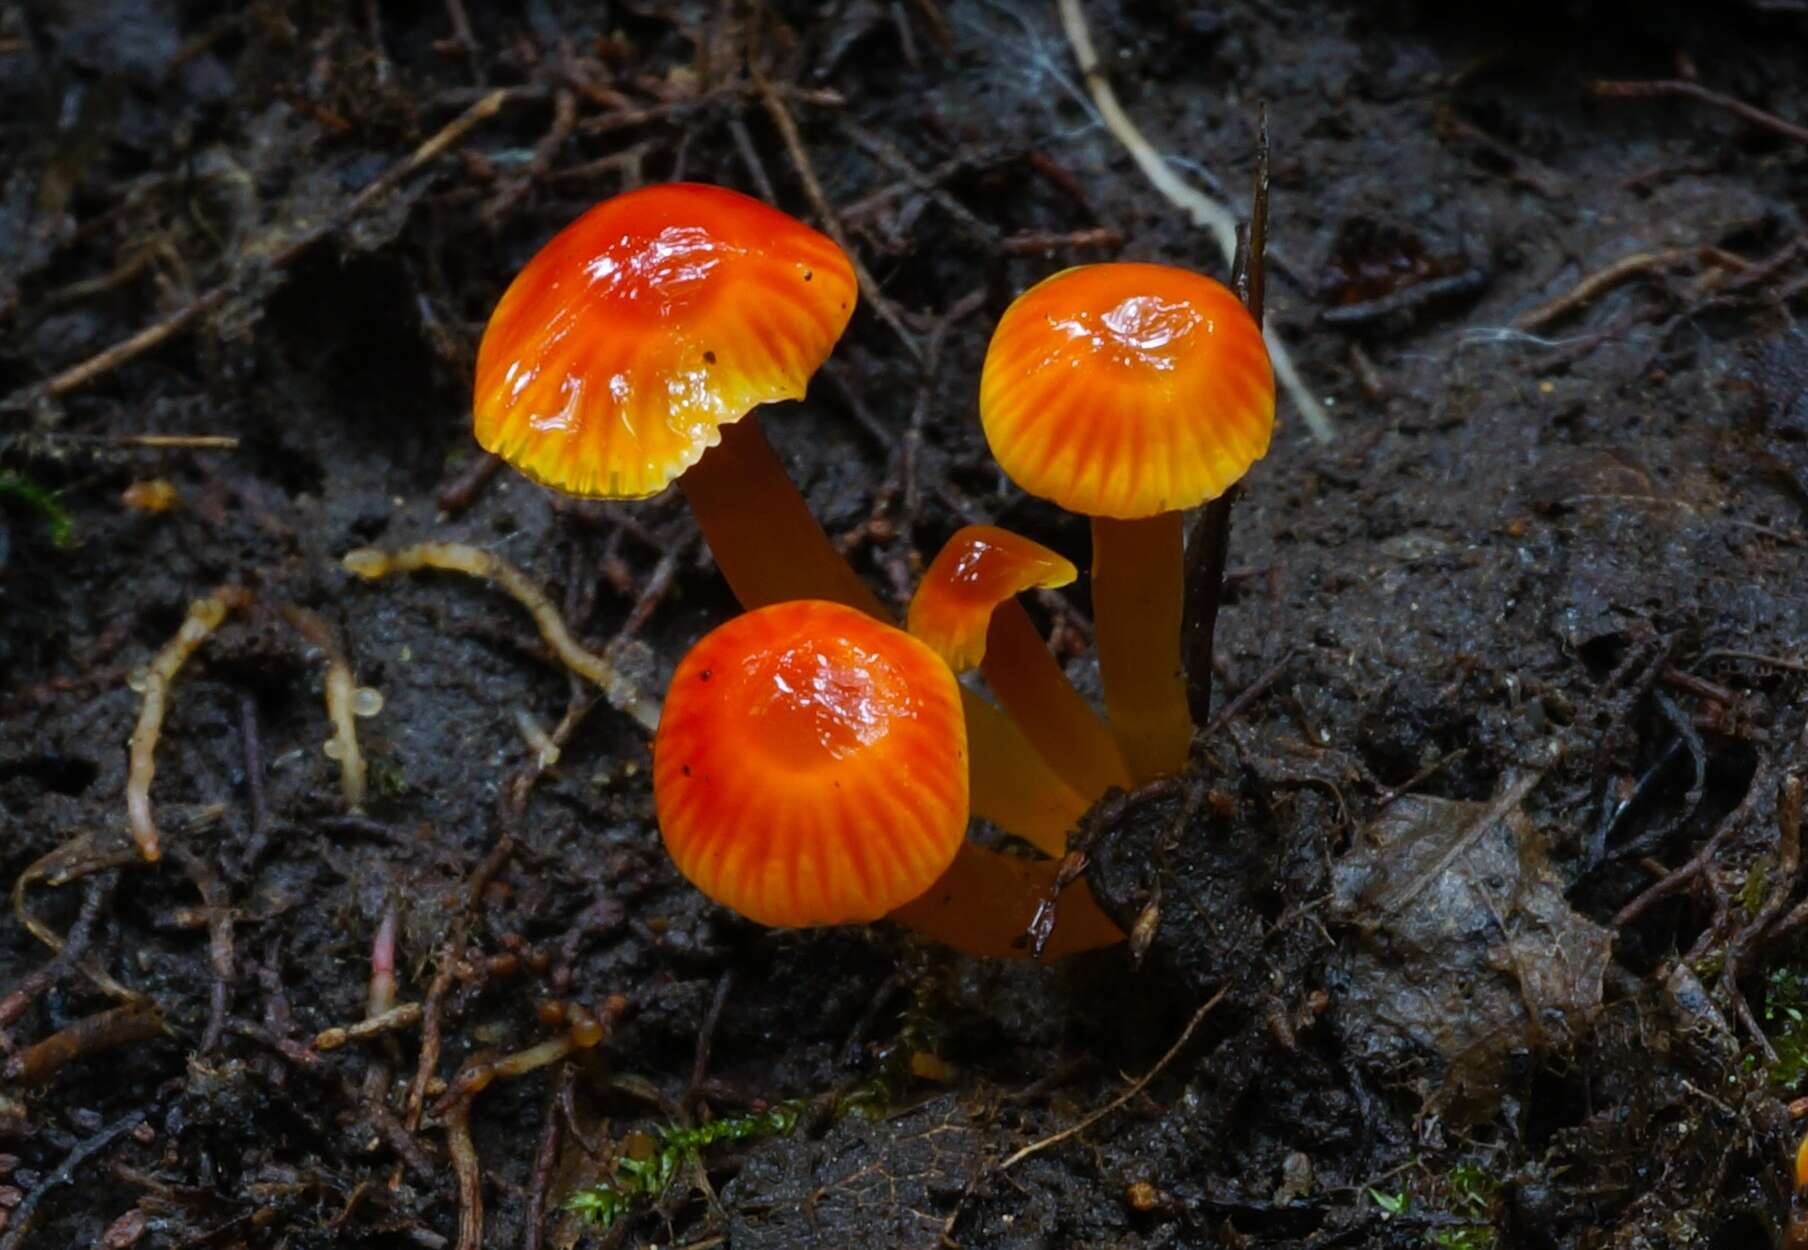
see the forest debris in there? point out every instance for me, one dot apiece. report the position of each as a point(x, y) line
point(1695, 91)
point(20, 1223)
point(392, 1020)
point(1605, 279)
point(305, 236)
point(157, 494)
point(1488, 957)
point(344, 701)
point(1201, 209)
point(371, 563)
point(153, 682)
point(870, 291)
point(135, 1021)
point(1130, 1091)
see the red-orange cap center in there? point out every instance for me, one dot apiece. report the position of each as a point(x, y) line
point(811, 704)
point(1142, 332)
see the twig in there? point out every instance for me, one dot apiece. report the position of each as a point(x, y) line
point(117, 1026)
point(1684, 89)
point(157, 332)
point(20, 1223)
point(1600, 282)
point(470, 1176)
point(99, 892)
point(546, 1160)
point(1203, 211)
point(1132, 1090)
point(1208, 543)
point(1249, 694)
point(459, 493)
point(204, 616)
point(1676, 879)
point(220, 956)
point(831, 222)
point(172, 442)
point(389, 1020)
point(447, 960)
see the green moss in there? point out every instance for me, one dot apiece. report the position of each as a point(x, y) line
point(640, 1176)
point(1786, 1024)
point(41, 500)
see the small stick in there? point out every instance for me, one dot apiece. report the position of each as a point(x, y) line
point(1600, 282)
point(204, 616)
point(391, 1020)
point(1201, 209)
point(1676, 879)
point(220, 954)
point(99, 892)
point(546, 1160)
point(1032, 242)
point(470, 1177)
point(117, 1026)
point(442, 978)
point(1695, 91)
point(21, 1216)
point(831, 222)
point(1208, 545)
point(1132, 1090)
point(371, 563)
point(190, 442)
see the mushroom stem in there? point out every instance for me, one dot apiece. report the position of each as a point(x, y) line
point(768, 546)
point(1137, 605)
point(771, 549)
point(985, 901)
point(1012, 785)
point(1058, 722)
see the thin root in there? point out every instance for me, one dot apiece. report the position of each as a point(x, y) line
point(204, 616)
point(372, 563)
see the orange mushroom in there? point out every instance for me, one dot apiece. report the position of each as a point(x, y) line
point(631, 350)
point(810, 769)
point(810, 766)
point(1129, 392)
point(966, 609)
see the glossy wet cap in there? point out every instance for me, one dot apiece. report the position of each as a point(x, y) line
point(1127, 390)
point(644, 325)
point(977, 569)
point(811, 766)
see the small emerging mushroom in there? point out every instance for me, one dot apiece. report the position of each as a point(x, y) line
point(966, 609)
point(1129, 392)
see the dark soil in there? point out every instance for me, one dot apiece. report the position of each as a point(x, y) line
point(1527, 636)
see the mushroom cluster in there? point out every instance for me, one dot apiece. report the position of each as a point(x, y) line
point(814, 763)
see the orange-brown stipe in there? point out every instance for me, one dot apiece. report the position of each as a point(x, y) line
point(966, 609)
point(985, 901)
point(652, 320)
point(1128, 392)
point(811, 766)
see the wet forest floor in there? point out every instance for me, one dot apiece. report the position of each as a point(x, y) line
point(1492, 872)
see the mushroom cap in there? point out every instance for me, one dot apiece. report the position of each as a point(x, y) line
point(811, 765)
point(1127, 390)
point(977, 569)
point(646, 323)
